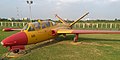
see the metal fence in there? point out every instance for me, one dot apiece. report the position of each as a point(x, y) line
point(97, 25)
point(12, 24)
point(77, 25)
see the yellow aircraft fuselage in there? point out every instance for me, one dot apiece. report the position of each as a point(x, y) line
point(39, 35)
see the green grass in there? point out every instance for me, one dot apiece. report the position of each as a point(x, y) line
point(2, 36)
point(89, 47)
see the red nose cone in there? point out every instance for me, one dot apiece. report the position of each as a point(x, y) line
point(19, 38)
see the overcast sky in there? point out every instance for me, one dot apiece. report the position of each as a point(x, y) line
point(67, 9)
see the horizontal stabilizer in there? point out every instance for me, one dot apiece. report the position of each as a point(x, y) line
point(79, 19)
point(61, 20)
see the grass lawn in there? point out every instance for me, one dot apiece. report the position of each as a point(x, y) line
point(2, 36)
point(89, 47)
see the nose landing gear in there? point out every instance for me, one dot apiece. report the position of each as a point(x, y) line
point(16, 51)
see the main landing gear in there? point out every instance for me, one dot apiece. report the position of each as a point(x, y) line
point(76, 38)
point(64, 35)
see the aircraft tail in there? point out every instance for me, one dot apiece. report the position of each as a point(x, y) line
point(61, 20)
point(79, 19)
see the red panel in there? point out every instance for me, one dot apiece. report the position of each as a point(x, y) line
point(95, 32)
point(19, 38)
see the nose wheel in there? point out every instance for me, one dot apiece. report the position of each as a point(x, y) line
point(14, 54)
point(15, 51)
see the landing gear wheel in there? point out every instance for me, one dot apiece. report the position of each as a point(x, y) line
point(16, 51)
point(75, 39)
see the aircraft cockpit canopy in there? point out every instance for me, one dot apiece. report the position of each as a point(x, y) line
point(38, 25)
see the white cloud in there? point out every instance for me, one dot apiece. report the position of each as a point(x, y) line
point(69, 1)
point(59, 2)
point(65, 1)
point(113, 0)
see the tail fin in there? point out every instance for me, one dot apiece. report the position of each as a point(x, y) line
point(61, 20)
point(79, 19)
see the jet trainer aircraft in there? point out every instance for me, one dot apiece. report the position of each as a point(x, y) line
point(35, 32)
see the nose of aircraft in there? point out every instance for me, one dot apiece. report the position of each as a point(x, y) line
point(19, 38)
point(2, 43)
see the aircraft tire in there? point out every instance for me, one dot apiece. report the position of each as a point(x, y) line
point(16, 51)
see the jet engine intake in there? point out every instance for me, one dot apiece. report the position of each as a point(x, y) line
point(54, 32)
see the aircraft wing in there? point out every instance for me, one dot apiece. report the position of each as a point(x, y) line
point(66, 31)
point(11, 29)
point(77, 32)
